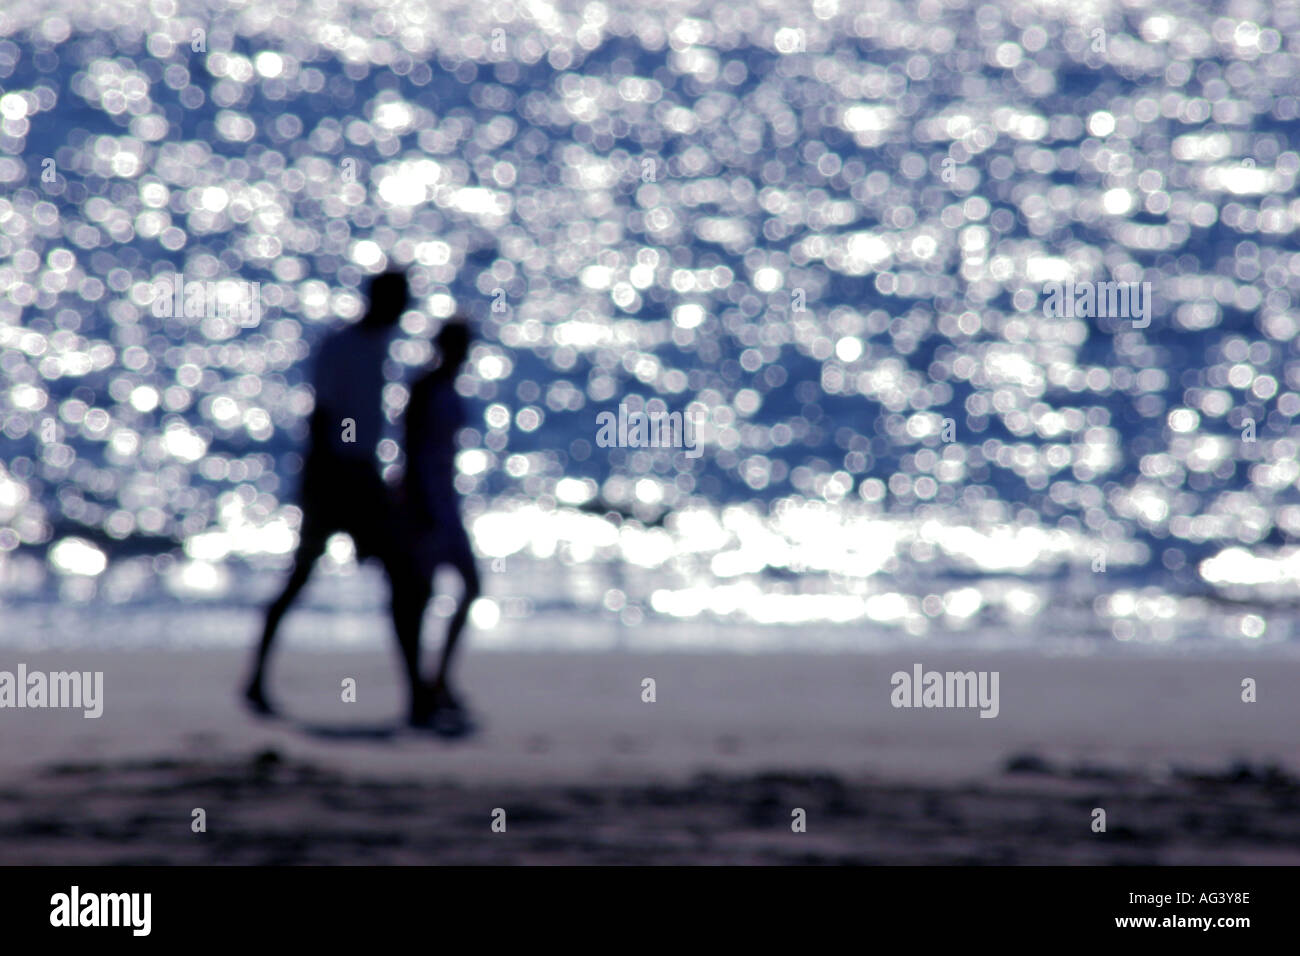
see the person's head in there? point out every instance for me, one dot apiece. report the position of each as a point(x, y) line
point(388, 294)
point(452, 342)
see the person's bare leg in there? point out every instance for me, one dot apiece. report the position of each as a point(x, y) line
point(469, 575)
point(410, 596)
point(410, 613)
point(303, 562)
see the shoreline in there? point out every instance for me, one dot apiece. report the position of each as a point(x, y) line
point(736, 712)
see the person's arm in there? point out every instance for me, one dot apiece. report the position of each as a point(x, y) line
point(447, 419)
point(430, 451)
point(416, 435)
point(321, 417)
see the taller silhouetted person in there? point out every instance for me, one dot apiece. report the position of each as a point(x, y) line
point(342, 489)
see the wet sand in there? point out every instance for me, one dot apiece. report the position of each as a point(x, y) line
point(712, 772)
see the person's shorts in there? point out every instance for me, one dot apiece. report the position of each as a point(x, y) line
point(340, 494)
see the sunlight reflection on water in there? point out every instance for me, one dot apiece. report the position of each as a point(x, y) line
point(823, 232)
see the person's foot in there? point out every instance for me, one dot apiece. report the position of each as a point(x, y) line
point(436, 708)
point(452, 721)
point(255, 698)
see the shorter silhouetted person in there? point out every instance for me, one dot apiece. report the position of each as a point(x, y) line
point(435, 529)
point(342, 489)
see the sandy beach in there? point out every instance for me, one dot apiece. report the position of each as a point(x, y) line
point(711, 772)
point(762, 351)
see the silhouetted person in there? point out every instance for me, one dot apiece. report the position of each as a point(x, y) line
point(341, 486)
point(436, 532)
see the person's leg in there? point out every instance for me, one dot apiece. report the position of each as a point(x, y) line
point(462, 559)
point(309, 549)
point(381, 529)
point(409, 598)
